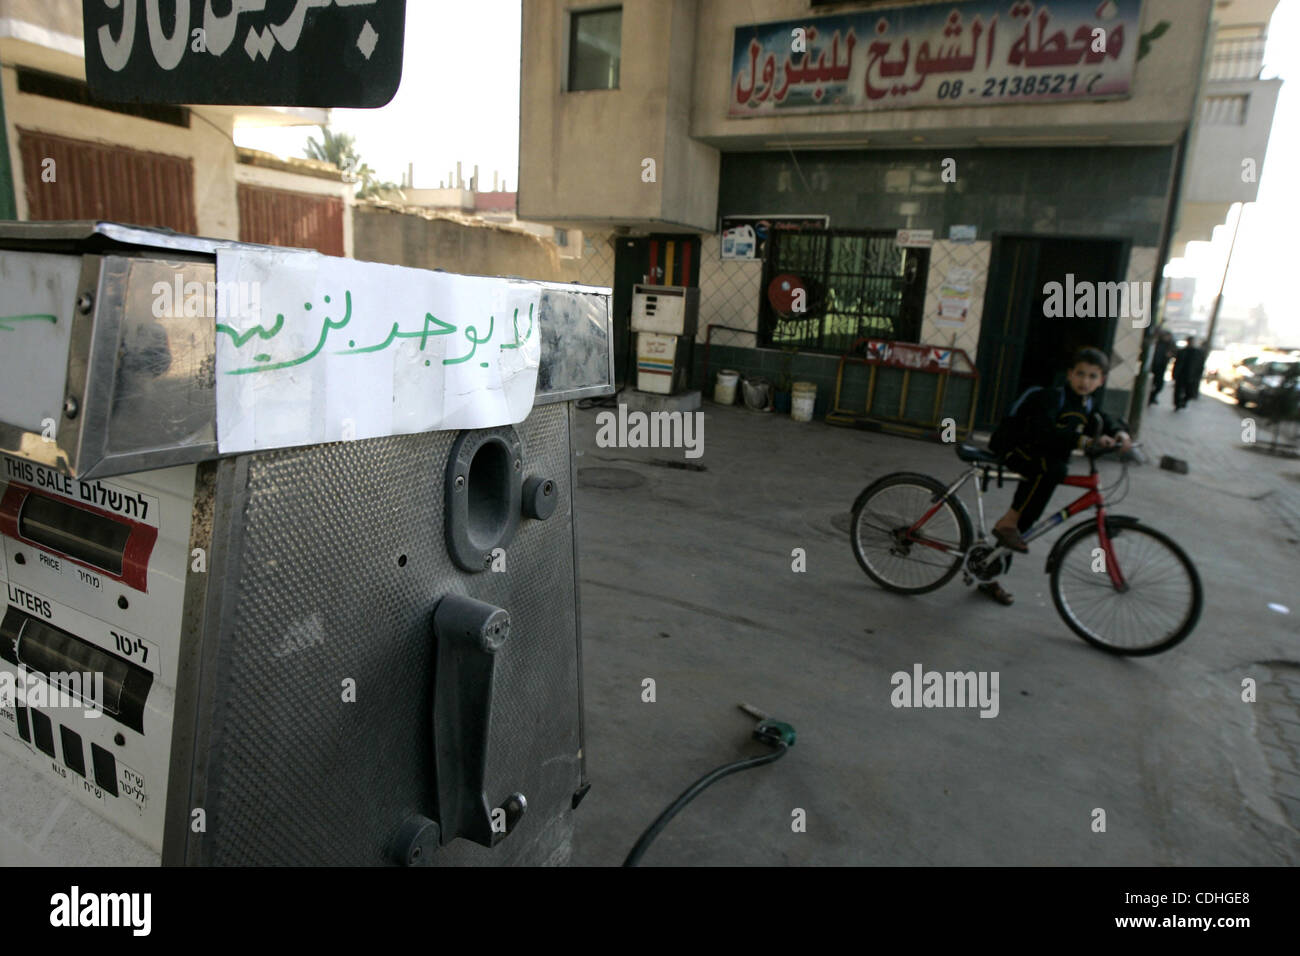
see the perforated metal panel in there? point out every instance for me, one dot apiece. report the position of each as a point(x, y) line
point(336, 559)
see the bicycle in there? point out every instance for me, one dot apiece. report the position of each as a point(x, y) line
point(907, 524)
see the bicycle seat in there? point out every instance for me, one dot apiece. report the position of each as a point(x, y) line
point(973, 453)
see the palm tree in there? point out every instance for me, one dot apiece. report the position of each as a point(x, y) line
point(340, 150)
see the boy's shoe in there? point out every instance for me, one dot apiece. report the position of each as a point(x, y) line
point(1010, 538)
point(998, 593)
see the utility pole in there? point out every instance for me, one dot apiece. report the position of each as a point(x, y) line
point(1218, 299)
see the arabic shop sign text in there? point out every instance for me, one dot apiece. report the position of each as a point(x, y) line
point(321, 53)
point(976, 54)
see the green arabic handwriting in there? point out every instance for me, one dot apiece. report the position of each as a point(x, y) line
point(24, 318)
point(527, 335)
point(239, 338)
point(324, 333)
point(432, 326)
point(422, 335)
point(471, 333)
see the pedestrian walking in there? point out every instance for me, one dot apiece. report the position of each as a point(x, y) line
point(1189, 365)
point(1160, 356)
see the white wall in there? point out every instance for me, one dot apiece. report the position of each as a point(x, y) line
point(208, 145)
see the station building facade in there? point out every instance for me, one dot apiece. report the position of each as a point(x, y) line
point(913, 172)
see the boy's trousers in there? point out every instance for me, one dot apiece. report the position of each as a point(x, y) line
point(1041, 476)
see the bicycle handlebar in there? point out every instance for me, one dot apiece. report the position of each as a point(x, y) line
point(1134, 451)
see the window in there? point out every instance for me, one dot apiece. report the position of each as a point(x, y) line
point(859, 284)
point(1225, 110)
point(595, 39)
point(561, 237)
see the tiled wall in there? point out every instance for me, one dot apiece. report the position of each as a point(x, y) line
point(596, 267)
point(1126, 354)
point(953, 255)
point(729, 291)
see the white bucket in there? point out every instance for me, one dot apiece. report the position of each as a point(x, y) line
point(803, 396)
point(724, 389)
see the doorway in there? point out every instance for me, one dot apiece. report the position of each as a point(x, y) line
point(1019, 345)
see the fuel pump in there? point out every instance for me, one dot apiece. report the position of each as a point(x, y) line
point(235, 633)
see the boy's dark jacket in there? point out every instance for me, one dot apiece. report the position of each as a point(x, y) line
point(1047, 423)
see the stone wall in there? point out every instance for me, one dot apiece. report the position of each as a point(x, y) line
point(382, 232)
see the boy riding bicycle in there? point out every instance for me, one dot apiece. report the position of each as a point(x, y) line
point(1036, 439)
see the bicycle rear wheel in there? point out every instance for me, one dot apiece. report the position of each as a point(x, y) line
point(896, 561)
point(1158, 607)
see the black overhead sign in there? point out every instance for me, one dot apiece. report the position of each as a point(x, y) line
point(323, 53)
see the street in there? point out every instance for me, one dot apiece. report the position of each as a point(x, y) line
point(687, 579)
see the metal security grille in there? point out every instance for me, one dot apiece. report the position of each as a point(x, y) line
point(276, 217)
point(859, 284)
point(75, 179)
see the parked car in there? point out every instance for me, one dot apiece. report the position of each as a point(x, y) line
point(1267, 378)
point(1239, 364)
point(1283, 402)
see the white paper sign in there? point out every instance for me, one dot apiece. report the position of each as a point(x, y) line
point(955, 296)
point(337, 349)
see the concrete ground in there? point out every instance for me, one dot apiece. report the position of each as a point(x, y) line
point(687, 579)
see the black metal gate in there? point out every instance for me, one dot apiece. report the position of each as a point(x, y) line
point(860, 284)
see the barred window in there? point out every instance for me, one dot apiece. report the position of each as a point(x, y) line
point(858, 284)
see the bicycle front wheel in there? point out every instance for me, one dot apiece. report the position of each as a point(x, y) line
point(902, 562)
point(1158, 605)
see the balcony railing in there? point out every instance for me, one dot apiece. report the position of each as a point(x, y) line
point(1241, 59)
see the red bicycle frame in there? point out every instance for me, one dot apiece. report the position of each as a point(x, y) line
point(1091, 499)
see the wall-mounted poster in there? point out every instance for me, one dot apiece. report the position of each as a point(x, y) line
point(745, 237)
point(954, 297)
point(977, 53)
point(739, 242)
